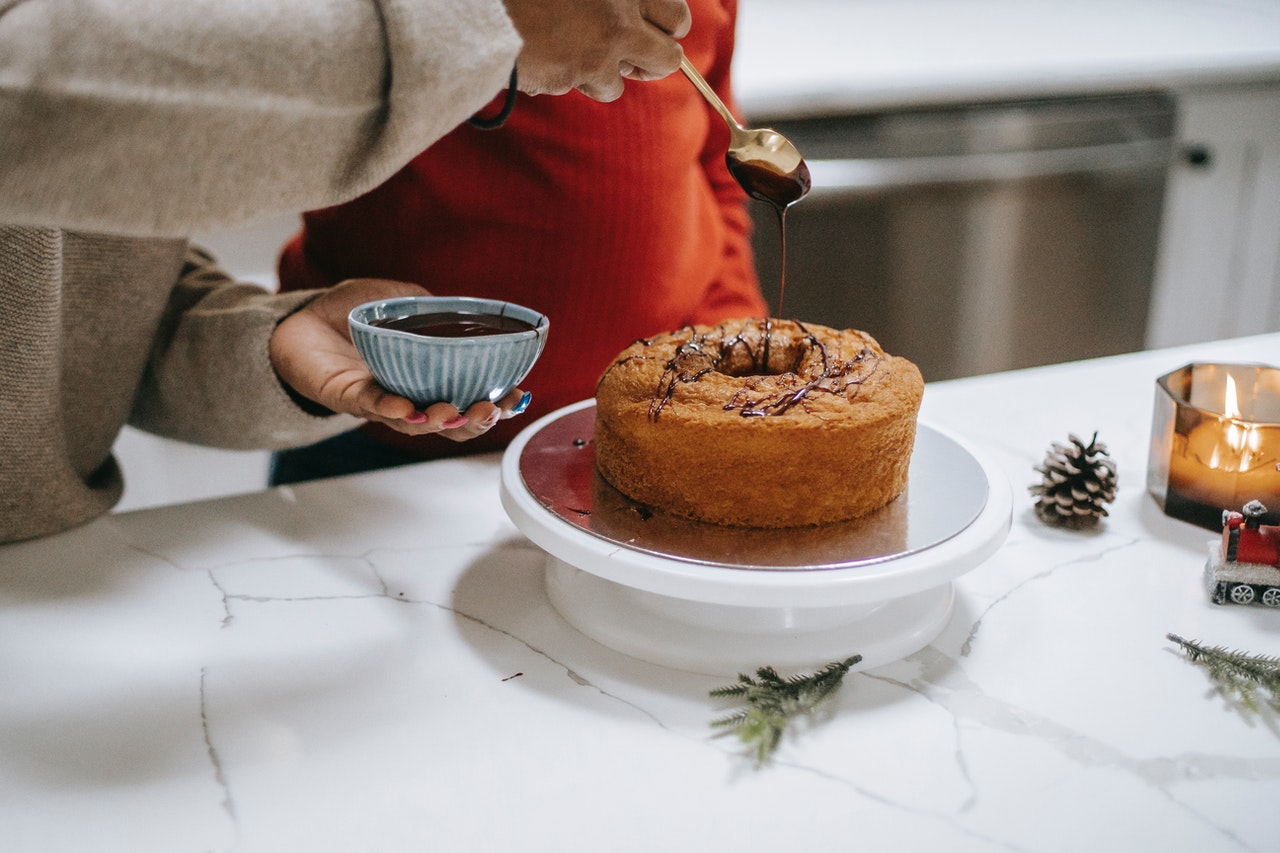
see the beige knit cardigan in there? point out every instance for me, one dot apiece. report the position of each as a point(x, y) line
point(127, 124)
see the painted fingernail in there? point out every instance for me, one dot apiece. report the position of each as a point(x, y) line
point(455, 423)
point(525, 399)
point(416, 418)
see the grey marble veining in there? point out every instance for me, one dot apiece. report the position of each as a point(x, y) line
point(371, 663)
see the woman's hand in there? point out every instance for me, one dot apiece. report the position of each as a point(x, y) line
point(312, 352)
point(590, 45)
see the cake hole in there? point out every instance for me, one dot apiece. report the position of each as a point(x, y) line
point(742, 363)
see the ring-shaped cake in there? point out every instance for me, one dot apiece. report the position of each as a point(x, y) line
point(758, 423)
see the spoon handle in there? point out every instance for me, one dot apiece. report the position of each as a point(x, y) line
point(707, 92)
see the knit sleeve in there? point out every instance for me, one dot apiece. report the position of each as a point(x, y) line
point(162, 118)
point(209, 379)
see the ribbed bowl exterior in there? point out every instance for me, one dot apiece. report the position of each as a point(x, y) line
point(460, 371)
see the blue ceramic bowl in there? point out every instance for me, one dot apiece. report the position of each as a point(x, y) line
point(432, 369)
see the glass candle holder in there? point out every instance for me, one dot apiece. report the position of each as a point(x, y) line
point(1215, 442)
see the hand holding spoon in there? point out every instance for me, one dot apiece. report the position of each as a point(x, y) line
point(763, 162)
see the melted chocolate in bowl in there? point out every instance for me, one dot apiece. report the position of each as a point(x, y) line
point(455, 324)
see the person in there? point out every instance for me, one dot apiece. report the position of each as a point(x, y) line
point(126, 125)
point(617, 222)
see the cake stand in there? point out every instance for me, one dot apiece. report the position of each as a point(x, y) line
point(722, 600)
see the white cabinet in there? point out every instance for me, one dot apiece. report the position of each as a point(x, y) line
point(1218, 268)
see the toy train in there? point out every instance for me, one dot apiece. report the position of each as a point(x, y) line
point(1244, 567)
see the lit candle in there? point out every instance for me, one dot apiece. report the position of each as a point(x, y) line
point(1221, 453)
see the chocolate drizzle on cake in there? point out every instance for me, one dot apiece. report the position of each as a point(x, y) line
point(698, 424)
point(778, 375)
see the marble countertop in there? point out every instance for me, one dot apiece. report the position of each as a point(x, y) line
point(804, 57)
point(371, 663)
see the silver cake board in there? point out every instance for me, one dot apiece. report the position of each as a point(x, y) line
point(721, 600)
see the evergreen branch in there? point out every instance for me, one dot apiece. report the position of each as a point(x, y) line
point(772, 702)
point(731, 721)
point(1236, 673)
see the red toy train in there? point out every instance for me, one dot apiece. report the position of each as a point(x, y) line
point(1245, 566)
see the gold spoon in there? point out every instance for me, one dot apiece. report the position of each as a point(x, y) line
point(763, 162)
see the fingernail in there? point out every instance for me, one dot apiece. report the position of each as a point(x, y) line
point(416, 418)
point(455, 423)
point(525, 399)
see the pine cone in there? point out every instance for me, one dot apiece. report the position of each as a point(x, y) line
point(1077, 481)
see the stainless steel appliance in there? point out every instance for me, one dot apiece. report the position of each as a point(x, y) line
point(978, 238)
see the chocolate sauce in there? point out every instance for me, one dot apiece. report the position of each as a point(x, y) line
point(812, 369)
point(455, 324)
point(782, 276)
point(807, 368)
point(762, 181)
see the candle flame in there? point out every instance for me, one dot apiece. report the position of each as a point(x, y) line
point(1242, 439)
point(1231, 405)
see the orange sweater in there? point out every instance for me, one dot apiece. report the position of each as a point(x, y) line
point(616, 220)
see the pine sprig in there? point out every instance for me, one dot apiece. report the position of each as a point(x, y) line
point(1236, 673)
point(773, 701)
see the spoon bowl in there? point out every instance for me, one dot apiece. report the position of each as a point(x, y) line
point(763, 162)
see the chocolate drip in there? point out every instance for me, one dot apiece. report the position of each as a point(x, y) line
point(814, 369)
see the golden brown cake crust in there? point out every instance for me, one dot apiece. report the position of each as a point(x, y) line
point(692, 422)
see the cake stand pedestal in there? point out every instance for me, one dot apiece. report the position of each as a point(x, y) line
point(720, 600)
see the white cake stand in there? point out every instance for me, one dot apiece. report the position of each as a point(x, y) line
point(721, 600)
